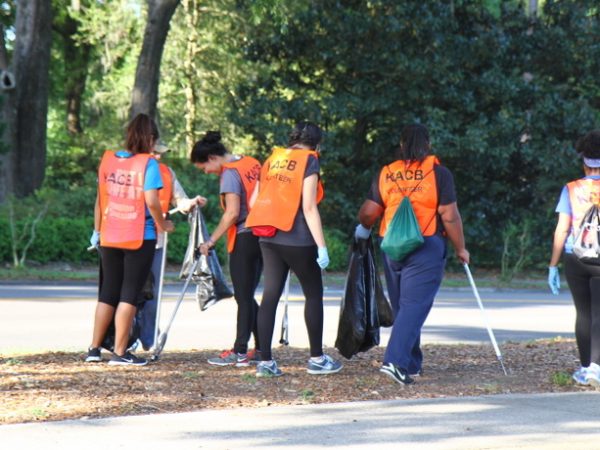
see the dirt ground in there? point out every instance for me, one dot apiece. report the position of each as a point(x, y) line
point(57, 386)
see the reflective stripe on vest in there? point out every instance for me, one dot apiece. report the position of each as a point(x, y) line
point(281, 180)
point(415, 180)
point(583, 194)
point(165, 194)
point(122, 204)
point(248, 169)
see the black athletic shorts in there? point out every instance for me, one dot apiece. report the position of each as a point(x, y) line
point(124, 273)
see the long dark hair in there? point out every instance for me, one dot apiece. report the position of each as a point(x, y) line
point(209, 145)
point(142, 133)
point(414, 143)
point(305, 133)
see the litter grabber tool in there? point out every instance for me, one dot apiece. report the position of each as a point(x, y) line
point(284, 321)
point(162, 339)
point(163, 263)
point(485, 319)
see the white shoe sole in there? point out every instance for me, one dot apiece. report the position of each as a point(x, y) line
point(323, 372)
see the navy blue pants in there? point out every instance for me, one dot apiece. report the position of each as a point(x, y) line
point(412, 285)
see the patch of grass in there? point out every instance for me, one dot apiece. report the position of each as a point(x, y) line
point(307, 395)
point(249, 378)
point(190, 375)
point(13, 361)
point(39, 413)
point(561, 379)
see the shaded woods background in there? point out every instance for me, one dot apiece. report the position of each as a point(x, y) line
point(504, 93)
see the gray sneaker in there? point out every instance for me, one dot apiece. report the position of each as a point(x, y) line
point(325, 366)
point(230, 358)
point(268, 369)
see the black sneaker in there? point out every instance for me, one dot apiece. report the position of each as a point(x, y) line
point(396, 373)
point(93, 355)
point(128, 359)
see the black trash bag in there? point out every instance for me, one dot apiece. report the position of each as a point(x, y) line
point(371, 278)
point(108, 342)
point(385, 312)
point(352, 325)
point(208, 276)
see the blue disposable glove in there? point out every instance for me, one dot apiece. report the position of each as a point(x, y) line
point(553, 279)
point(95, 239)
point(361, 232)
point(323, 258)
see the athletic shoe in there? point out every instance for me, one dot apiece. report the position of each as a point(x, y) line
point(230, 358)
point(592, 375)
point(128, 359)
point(254, 356)
point(396, 373)
point(93, 355)
point(268, 369)
point(324, 366)
point(579, 376)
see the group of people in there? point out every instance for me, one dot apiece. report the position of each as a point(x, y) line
point(272, 225)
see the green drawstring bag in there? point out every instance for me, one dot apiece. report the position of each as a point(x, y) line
point(403, 236)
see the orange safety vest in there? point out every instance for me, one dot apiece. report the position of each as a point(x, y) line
point(281, 180)
point(583, 194)
point(166, 193)
point(122, 204)
point(415, 180)
point(248, 169)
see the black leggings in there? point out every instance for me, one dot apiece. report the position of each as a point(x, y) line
point(278, 260)
point(584, 283)
point(124, 272)
point(245, 267)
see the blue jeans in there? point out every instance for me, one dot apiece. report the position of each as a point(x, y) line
point(146, 314)
point(412, 285)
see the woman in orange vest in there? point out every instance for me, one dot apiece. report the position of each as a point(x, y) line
point(126, 217)
point(238, 176)
point(286, 213)
point(583, 279)
point(413, 282)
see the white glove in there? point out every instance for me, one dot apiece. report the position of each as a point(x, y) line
point(361, 232)
point(95, 239)
point(323, 257)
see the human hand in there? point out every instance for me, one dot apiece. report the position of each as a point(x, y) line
point(167, 226)
point(206, 246)
point(323, 257)
point(361, 232)
point(553, 279)
point(95, 239)
point(463, 255)
point(186, 205)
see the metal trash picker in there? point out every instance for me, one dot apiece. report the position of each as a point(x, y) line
point(284, 321)
point(163, 262)
point(489, 329)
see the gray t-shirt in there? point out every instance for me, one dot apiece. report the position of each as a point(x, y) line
point(231, 183)
point(299, 235)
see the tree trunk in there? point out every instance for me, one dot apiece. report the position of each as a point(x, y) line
point(26, 106)
point(145, 88)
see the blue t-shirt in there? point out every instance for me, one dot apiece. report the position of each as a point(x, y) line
point(564, 207)
point(152, 180)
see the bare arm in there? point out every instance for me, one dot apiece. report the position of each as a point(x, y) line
point(561, 232)
point(310, 209)
point(229, 218)
point(153, 203)
point(97, 214)
point(454, 228)
point(369, 213)
point(254, 195)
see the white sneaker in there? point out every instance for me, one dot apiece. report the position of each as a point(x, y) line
point(592, 375)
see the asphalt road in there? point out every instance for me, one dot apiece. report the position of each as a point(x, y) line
point(44, 316)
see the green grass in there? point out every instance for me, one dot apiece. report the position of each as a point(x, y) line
point(561, 379)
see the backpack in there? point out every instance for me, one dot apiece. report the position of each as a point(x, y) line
point(587, 241)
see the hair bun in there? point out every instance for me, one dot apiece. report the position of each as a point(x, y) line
point(212, 137)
